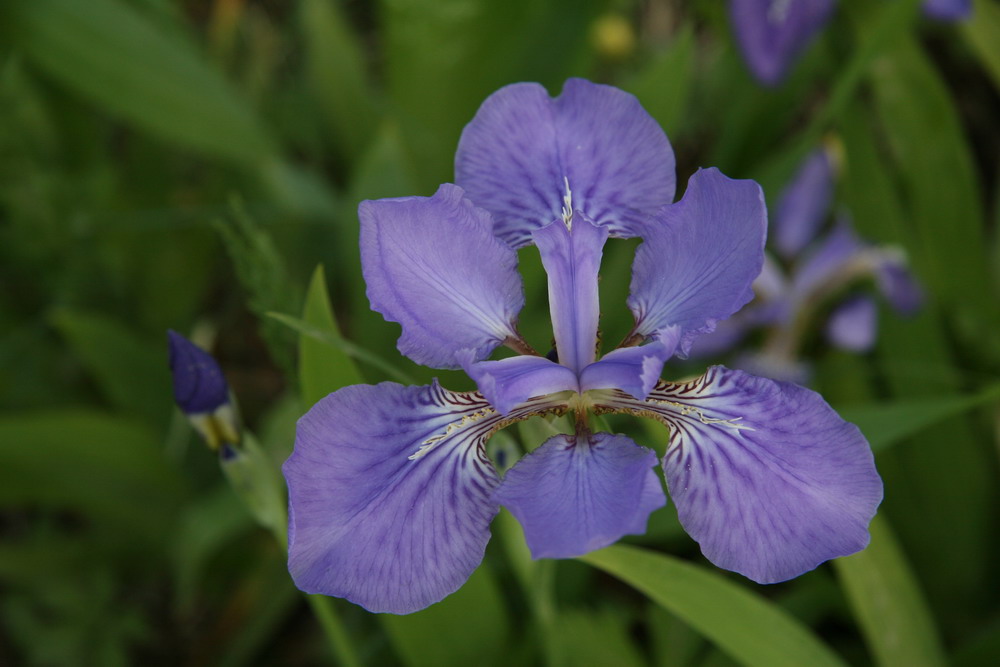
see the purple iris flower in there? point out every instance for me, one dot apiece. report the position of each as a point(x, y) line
point(391, 493)
point(772, 34)
point(811, 271)
point(201, 392)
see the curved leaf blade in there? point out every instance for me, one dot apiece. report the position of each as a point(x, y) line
point(749, 628)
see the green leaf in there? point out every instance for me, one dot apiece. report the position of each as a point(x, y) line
point(334, 340)
point(116, 57)
point(130, 372)
point(472, 619)
point(665, 83)
point(594, 639)
point(747, 627)
point(982, 30)
point(109, 469)
point(205, 527)
point(887, 424)
point(323, 368)
point(444, 57)
point(889, 606)
point(925, 133)
point(336, 69)
point(262, 273)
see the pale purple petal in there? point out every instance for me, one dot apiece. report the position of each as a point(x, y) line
point(767, 478)
point(390, 495)
point(576, 494)
point(518, 154)
point(724, 338)
point(853, 324)
point(772, 33)
point(433, 265)
point(771, 283)
point(509, 382)
point(804, 205)
point(699, 257)
point(948, 10)
point(779, 365)
point(827, 263)
point(571, 254)
point(896, 283)
point(634, 370)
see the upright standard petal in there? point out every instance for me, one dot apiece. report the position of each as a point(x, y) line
point(526, 157)
point(772, 33)
point(699, 257)
point(433, 265)
point(575, 494)
point(767, 478)
point(804, 205)
point(390, 495)
point(571, 253)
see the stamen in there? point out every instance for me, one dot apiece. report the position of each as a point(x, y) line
point(567, 209)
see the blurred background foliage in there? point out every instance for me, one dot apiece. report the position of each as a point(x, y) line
point(189, 164)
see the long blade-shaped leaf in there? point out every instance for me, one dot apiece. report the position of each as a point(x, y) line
point(113, 55)
point(322, 367)
point(748, 627)
point(888, 604)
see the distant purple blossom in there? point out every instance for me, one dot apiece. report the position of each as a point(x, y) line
point(814, 272)
point(772, 34)
point(391, 493)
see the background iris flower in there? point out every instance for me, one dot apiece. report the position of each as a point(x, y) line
point(391, 493)
point(772, 34)
point(813, 275)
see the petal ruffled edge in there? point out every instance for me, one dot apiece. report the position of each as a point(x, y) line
point(699, 257)
point(390, 495)
point(433, 265)
point(525, 157)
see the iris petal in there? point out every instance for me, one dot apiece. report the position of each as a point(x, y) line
point(509, 382)
point(772, 33)
point(766, 476)
point(390, 494)
point(852, 325)
point(433, 265)
point(948, 10)
point(804, 204)
point(699, 257)
point(571, 254)
point(634, 370)
point(523, 148)
point(575, 494)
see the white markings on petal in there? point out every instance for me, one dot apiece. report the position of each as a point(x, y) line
point(567, 208)
point(466, 420)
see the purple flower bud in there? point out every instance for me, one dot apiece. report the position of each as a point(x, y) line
point(201, 392)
